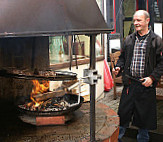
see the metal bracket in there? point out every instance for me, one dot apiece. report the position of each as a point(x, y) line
point(91, 76)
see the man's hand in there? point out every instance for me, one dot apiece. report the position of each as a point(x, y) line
point(116, 70)
point(147, 81)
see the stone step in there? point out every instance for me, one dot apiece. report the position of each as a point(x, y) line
point(131, 134)
point(128, 139)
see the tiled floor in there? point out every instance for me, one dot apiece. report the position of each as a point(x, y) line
point(109, 99)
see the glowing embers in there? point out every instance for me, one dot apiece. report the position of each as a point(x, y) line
point(41, 99)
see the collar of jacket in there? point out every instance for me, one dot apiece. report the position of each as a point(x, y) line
point(152, 35)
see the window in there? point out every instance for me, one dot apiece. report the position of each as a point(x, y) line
point(129, 9)
point(65, 48)
point(57, 52)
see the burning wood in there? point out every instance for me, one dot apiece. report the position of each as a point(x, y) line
point(44, 100)
point(67, 84)
point(48, 95)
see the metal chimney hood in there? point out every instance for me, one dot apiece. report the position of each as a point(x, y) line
point(21, 18)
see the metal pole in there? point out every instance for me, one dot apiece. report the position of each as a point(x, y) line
point(92, 89)
point(33, 53)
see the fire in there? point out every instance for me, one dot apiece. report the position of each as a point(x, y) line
point(37, 89)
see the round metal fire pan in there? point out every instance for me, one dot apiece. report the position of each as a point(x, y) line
point(72, 100)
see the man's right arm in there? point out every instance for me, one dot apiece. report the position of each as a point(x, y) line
point(116, 70)
point(120, 63)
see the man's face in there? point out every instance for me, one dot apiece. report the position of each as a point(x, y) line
point(140, 22)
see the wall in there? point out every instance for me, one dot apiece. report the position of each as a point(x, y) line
point(99, 68)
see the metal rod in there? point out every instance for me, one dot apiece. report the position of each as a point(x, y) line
point(70, 50)
point(75, 50)
point(33, 54)
point(92, 89)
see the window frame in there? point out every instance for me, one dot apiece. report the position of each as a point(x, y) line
point(72, 63)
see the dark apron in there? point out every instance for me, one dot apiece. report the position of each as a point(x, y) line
point(138, 105)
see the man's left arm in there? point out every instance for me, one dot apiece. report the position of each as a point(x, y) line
point(158, 70)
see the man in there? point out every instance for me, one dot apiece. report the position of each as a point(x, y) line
point(141, 63)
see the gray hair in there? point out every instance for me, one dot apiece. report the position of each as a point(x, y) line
point(144, 12)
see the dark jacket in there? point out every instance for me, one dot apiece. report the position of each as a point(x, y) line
point(138, 103)
point(153, 58)
point(138, 106)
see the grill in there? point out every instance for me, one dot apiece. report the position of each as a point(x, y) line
point(54, 103)
point(55, 107)
point(36, 20)
point(39, 75)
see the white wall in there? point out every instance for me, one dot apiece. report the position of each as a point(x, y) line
point(158, 29)
point(99, 68)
